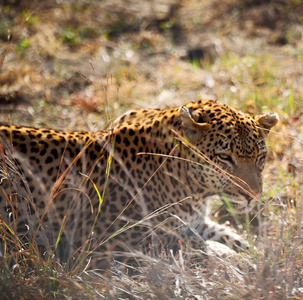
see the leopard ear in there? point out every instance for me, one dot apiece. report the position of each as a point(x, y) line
point(190, 128)
point(266, 122)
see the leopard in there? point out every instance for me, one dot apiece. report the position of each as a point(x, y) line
point(145, 181)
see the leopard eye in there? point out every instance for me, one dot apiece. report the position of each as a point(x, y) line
point(260, 160)
point(225, 157)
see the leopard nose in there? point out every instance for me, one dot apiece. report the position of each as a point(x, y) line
point(254, 191)
point(250, 181)
point(250, 190)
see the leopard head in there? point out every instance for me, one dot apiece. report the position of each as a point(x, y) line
point(227, 151)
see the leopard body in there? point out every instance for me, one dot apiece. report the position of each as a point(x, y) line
point(144, 181)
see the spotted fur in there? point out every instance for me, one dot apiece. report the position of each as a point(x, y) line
point(153, 168)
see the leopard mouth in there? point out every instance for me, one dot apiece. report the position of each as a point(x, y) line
point(238, 203)
point(242, 206)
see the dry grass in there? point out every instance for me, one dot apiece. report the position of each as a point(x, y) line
point(247, 54)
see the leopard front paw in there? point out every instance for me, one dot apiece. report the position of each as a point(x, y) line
point(234, 241)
